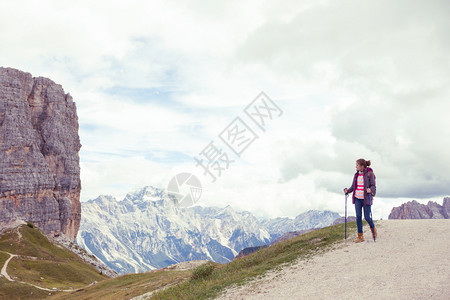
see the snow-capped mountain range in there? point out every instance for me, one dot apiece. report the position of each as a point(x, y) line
point(148, 230)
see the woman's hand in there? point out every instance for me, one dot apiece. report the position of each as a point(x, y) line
point(345, 190)
point(368, 190)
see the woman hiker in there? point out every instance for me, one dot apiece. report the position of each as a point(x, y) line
point(363, 188)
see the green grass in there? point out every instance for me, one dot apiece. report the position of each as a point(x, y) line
point(128, 286)
point(59, 267)
point(8, 242)
point(3, 257)
point(55, 274)
point(257, 264)
point(15, 290)
point(33, 243)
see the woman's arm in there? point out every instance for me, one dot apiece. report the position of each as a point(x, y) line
point(350, 189)
point(372, 186)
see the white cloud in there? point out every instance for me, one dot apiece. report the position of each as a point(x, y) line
point(354, 79)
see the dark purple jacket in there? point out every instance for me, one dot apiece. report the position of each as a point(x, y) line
point(369, 182)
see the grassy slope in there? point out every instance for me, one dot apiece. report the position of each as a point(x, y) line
point(256, 264)
point(58, 266)
point(13, 290)
point(3, 257)
point(127, 286)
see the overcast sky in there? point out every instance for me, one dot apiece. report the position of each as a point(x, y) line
point(156, 81)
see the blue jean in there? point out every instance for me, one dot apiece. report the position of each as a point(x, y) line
point(359, 204)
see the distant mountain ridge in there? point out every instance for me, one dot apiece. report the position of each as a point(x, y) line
point(415, 210)
point(147, 230)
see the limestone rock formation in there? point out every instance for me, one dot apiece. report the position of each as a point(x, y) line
point(415, 210)
point(39, 162)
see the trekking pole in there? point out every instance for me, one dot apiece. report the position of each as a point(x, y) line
point(346, 196)
point(370, 210)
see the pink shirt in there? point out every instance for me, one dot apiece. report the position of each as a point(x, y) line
point(359, 193)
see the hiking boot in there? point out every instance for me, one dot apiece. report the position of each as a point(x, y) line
point(360, 238)
point(374, 229)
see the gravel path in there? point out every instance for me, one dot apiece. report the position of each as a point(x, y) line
point(409, 260)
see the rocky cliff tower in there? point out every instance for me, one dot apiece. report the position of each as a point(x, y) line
point(39, 162)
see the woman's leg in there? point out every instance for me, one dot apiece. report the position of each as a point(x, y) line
point(358, 209)
point(367, 215)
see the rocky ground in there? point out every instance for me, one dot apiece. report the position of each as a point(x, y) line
point(409, 260)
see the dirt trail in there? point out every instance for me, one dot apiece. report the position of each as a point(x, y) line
point(409, 260)
point(3, 272)
point(11, 256)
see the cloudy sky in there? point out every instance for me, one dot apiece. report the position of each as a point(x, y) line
point(155, 82)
